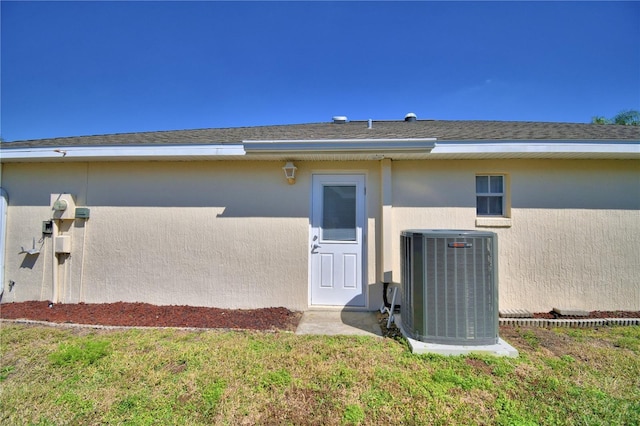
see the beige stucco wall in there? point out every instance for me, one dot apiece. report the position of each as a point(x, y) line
point(573, 239)
point(225, 234)
point(235, 234)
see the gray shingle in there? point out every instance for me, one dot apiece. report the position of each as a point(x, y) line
point(442, 130)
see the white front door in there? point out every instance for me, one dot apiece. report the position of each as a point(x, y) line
point(336, 240)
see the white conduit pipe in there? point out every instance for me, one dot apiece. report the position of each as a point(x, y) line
point(54, 263)
point(84, 253)
point(4, 203)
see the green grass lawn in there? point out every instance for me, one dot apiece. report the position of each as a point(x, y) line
point(53, 376)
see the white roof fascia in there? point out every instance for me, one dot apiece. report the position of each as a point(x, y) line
point(537, 146)
point(408, 147)
point(169, 152)
point(339, 146)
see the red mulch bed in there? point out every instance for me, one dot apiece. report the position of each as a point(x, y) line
point(146, 315)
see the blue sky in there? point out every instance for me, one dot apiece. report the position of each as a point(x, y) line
point(84, 68)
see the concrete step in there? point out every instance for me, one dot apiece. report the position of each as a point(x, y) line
point(334, 322)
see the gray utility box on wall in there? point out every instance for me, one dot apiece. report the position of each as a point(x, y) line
point(450, 286)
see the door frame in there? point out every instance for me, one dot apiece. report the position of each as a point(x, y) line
point(363, 249)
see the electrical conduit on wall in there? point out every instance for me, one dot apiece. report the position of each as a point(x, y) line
point(63, 206)
point(54, 258)
point(60, 273)
point(4, 203)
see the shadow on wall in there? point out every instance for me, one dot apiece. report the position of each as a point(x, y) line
point(542, 184)
point(241, 189)
point(237, 189)
point(29, 261)
point(532, 194)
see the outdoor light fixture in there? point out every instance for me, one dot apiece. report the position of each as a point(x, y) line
point(290, 172)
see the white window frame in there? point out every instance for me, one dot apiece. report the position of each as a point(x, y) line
point(490, 194)
point(489, 220)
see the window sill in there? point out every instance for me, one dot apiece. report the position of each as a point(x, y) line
point(493, 222)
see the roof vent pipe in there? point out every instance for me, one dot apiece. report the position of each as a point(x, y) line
point(339, 119)
point(411, 117)
point(370, 124)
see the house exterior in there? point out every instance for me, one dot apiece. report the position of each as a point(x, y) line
point(207, 217)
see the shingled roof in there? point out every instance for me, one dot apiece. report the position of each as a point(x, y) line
point(439, 129)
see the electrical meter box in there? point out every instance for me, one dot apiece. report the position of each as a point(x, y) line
point(63, 244)
point(63, 206)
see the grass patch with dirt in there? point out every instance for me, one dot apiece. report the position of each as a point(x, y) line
point(57, 376)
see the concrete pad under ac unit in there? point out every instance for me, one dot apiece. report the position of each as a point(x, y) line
point(501, 348)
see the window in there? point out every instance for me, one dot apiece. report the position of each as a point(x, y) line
point(339, 213)
point(490, 195)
